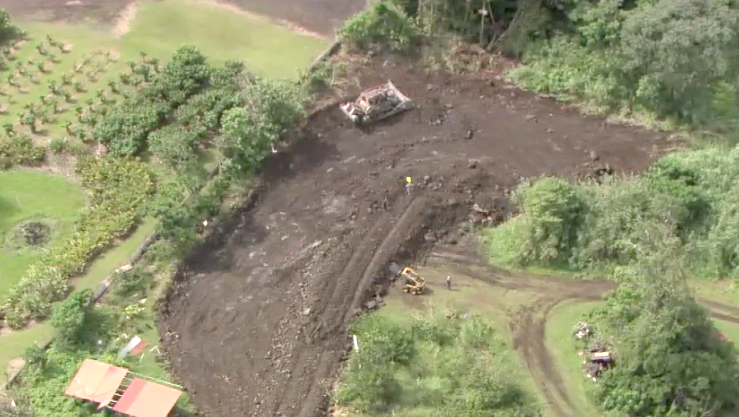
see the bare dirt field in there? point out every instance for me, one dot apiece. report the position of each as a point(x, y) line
point(106, 11)
point(256, 324)
point(318, 16)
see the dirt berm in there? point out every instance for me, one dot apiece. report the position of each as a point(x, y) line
point(255, 326)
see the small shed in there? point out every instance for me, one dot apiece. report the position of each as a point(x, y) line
point(122, 391)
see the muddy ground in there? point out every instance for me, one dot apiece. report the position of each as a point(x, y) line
point(256, 325)
point(319, 16)
point(105, 11)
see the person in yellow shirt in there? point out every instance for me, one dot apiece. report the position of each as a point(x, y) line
point(408, 185)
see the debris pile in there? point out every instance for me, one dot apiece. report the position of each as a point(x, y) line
point(597, 358)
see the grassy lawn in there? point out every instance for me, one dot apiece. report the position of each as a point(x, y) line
point(30, 195)
point(267, 49)
point(563, 348)
point(118, 256)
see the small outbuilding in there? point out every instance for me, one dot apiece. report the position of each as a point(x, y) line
point(122, 391)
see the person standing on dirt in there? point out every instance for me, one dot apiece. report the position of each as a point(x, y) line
point(449, 283)
point(408, 185)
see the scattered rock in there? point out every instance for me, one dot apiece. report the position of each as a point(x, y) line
point(472, 164)
point(594, 156)
point(429, 237)
point(530, 117)
point(470, 133)
point(307, 311)
point(371, 304)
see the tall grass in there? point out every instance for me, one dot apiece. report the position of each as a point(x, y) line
point(433, 366)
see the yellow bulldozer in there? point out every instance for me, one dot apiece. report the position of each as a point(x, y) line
point(413, 283)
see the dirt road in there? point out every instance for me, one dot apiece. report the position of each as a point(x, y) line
point(256, 324)
point(528, 324)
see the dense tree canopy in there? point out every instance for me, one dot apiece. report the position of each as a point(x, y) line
point(670, 360)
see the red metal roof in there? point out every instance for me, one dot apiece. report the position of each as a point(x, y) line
point(147, 399)
point(98, 382)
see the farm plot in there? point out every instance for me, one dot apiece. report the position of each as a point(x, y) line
point(60, 80)
point(273, 297)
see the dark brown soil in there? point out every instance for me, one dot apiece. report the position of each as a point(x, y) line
point(256, 327)
point(104, 11)
point(320, 16)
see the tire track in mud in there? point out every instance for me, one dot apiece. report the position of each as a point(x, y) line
point(528, 323)
point(377, 258)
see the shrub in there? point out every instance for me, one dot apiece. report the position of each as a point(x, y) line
point(686, 203)
point(133, 283)
point(19, 149)
point(68, 317)
point(554, 209)
point(669, 361)
point(119, 189)
point(383, 27)
point(58, 145)
point(432, 366)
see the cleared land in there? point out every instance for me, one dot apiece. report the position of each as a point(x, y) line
point(320, 16)
point(256, 324)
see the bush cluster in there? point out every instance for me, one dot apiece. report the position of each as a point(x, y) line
point(670, 360)
point(383, 27)
point(118, 191)
point(19, 149)
point(686, 204)
point(432, 366)
point(670, 58)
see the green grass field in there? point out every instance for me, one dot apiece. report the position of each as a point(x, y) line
point(563, 348)
point(31, 195)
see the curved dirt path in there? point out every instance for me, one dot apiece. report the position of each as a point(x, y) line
point(528, 324)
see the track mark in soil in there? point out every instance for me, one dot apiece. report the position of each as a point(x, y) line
point(528, 325)
point(122, 24)
point(268, 307)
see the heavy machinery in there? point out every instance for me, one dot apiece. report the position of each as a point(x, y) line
point(413, 283)
point(376, 103)
point(597, 359)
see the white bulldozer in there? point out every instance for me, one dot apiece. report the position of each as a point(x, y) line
point(376, 103)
